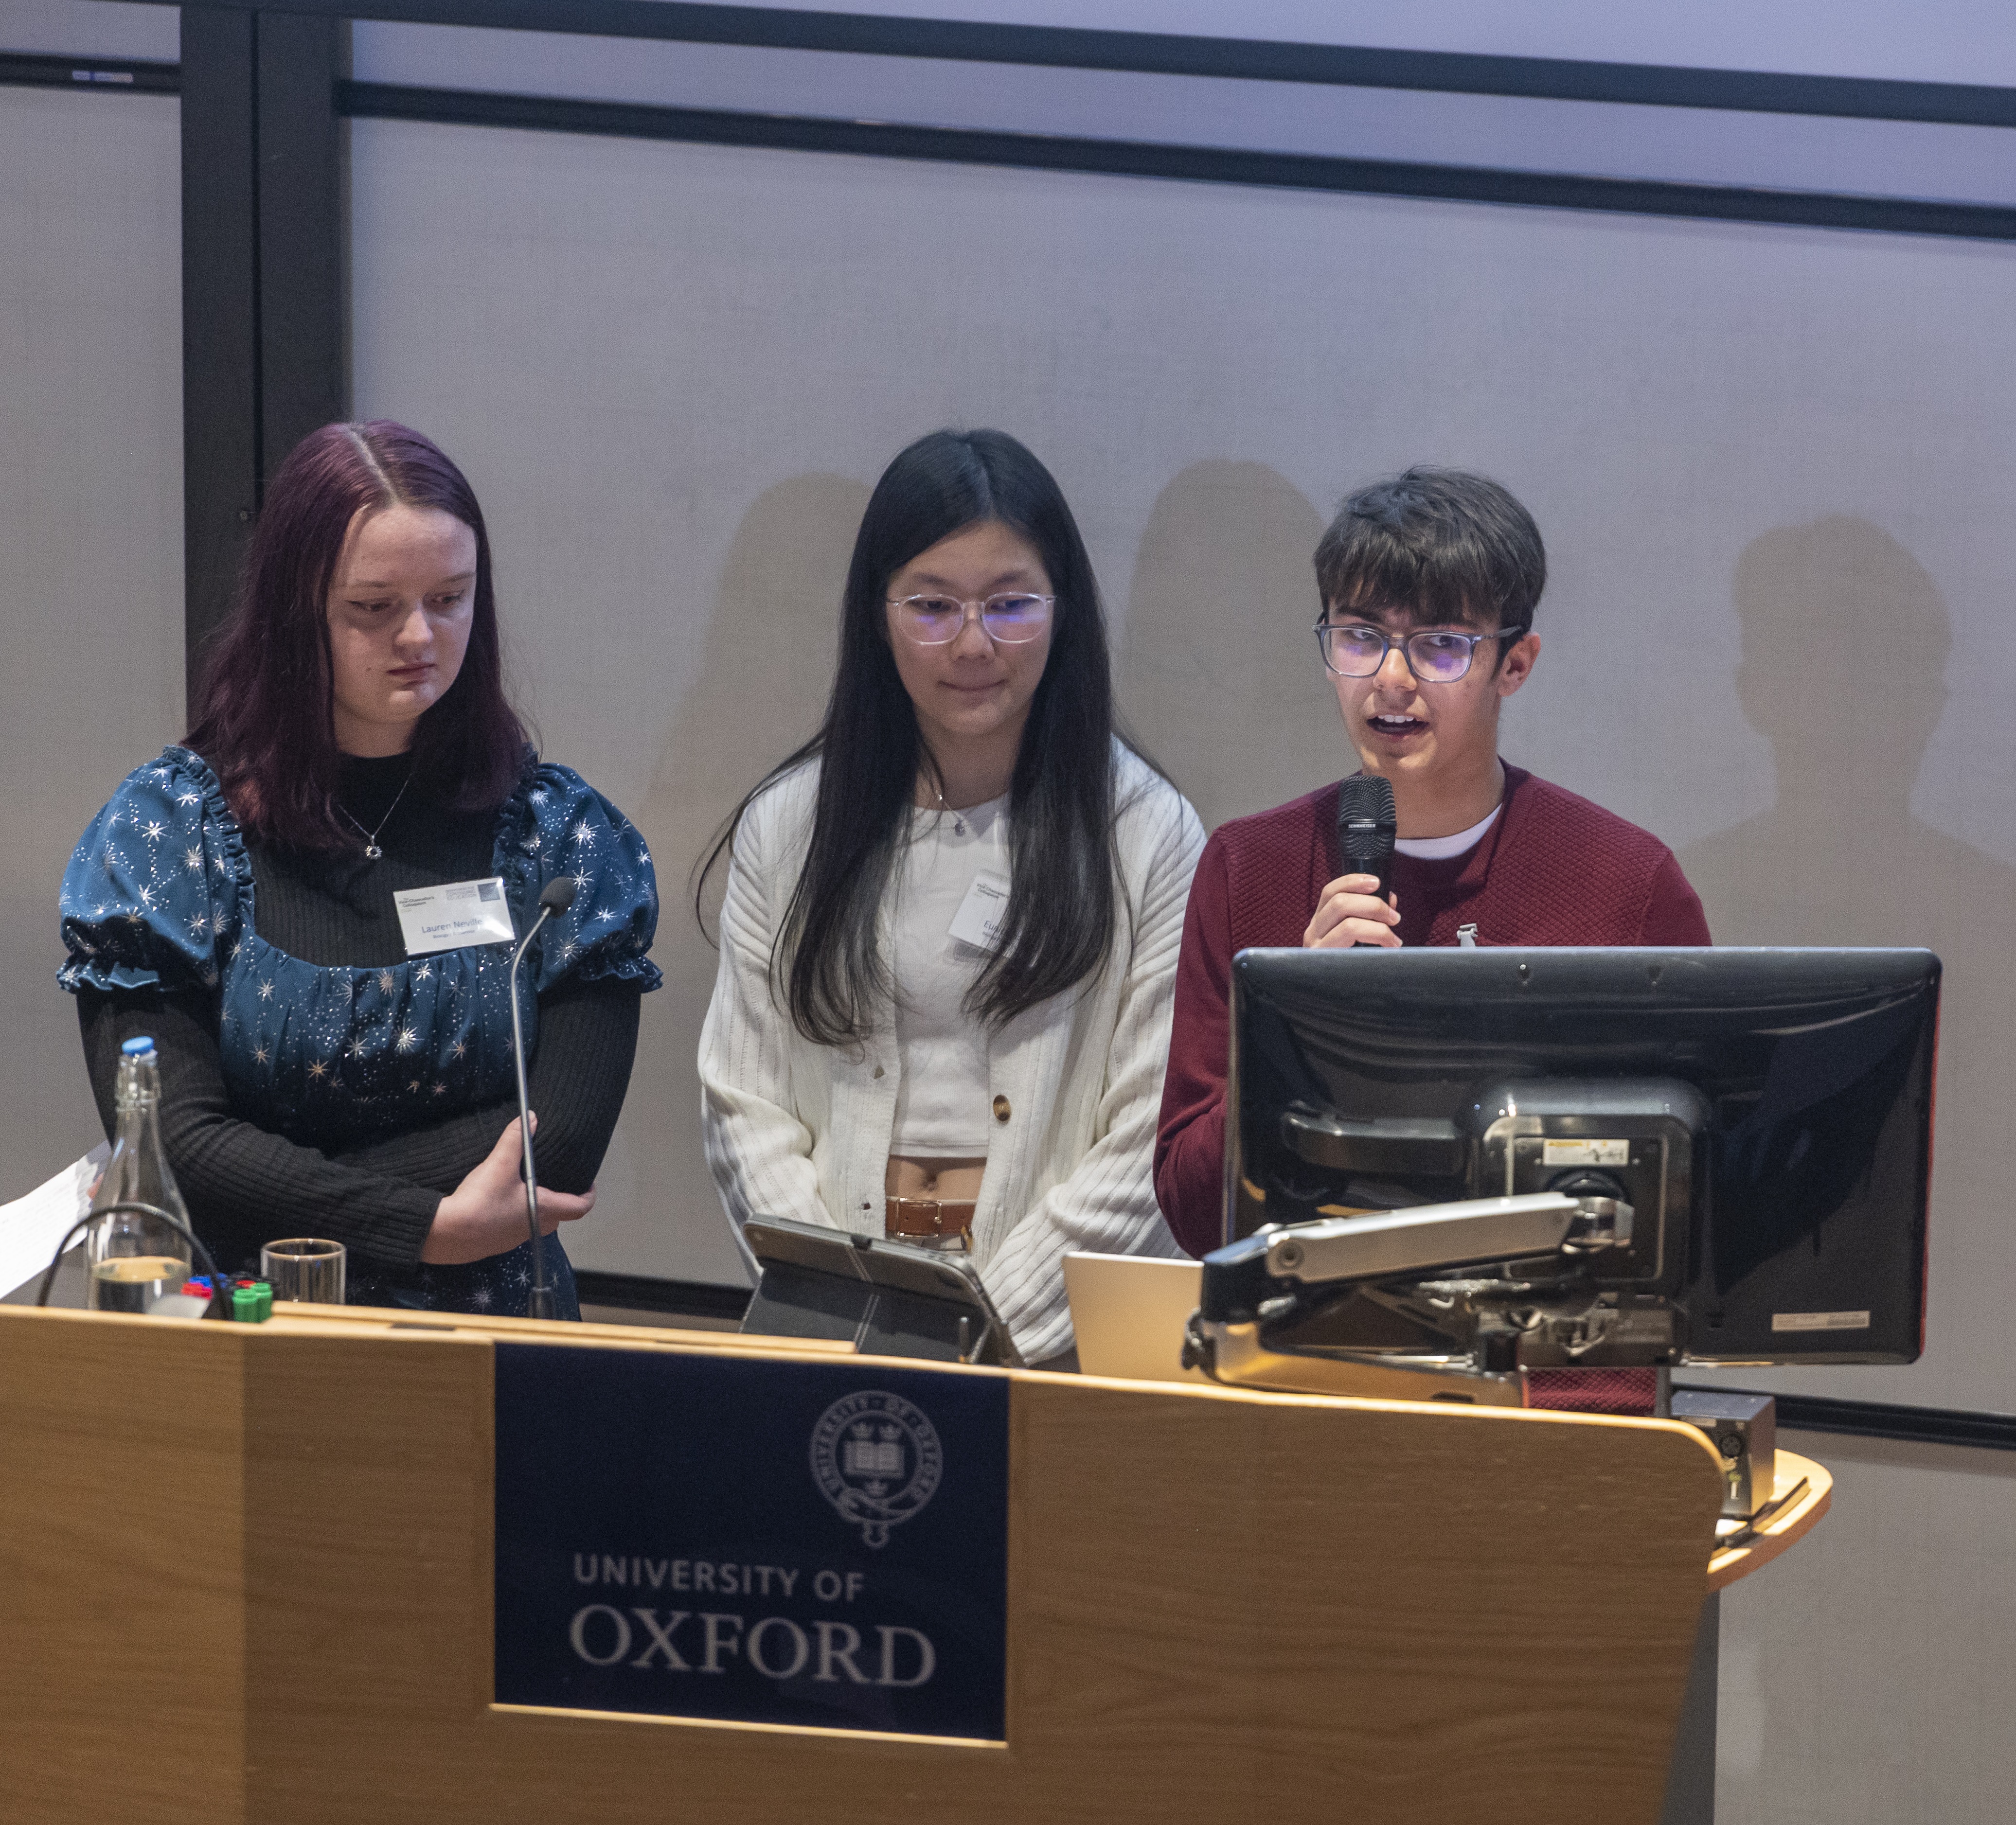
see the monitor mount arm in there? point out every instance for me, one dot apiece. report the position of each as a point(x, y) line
point(1526, 1258)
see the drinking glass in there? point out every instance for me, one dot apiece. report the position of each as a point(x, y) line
point(304, 1269)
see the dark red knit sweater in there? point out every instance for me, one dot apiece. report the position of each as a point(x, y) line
point(1553, 869)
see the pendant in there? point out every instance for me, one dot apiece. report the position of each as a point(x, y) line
point(959, 827)
point(372, 852)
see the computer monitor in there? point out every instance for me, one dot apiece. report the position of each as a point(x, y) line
point(1765, 1115)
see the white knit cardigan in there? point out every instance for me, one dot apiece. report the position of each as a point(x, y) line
point(798, 1130)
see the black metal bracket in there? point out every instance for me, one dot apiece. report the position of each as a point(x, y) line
point(263, 356)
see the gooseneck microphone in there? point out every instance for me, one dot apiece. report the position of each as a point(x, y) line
point(557, 897)
point(1366, 824)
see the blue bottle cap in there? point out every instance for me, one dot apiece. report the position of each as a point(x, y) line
point(133, 1048)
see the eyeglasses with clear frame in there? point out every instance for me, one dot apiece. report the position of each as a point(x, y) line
point(937, 620)
point(1353, 649)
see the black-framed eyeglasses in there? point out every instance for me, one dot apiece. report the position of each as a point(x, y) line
point(1353, 649)
point(933, 621)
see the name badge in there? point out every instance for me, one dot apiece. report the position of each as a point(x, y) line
point(446, 918)
point(983, 911)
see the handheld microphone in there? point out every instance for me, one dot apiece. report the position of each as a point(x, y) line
point(1366, 824)
point(557, 897)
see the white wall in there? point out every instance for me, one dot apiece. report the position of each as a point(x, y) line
point(1931, 41)
point(1693, 146)
point(674, 371)
point(91, 28)
point(91, 542)
point(1866, 1675)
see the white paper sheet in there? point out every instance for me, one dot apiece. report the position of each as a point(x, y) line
point(30, 1227)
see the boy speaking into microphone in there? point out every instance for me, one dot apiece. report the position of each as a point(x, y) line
point(1427, 586)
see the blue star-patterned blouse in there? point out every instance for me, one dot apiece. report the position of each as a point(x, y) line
point(160, 892)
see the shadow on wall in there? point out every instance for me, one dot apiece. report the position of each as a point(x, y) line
point(761, 690)
point(1845, 641)
point(1219, 674)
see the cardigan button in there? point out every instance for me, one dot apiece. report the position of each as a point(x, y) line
point(1002, 1111)
point(877, 1071)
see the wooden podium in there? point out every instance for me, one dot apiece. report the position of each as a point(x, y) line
point(248, 1577)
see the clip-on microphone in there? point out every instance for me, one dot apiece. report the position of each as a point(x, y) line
point(558, 896)
point(1366, 824)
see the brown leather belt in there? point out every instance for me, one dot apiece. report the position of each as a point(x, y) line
point(931, 1221)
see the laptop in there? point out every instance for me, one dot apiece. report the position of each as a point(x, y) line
point(1129, 1311)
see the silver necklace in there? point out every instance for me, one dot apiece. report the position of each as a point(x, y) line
point(958, 821)
point(372, 851)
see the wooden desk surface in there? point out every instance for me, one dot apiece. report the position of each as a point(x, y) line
point(1726, 1565)
point(289, 1319)
point(271, 1546)
point(1794, 1521)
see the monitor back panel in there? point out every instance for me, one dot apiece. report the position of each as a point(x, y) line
point(1807, 1235)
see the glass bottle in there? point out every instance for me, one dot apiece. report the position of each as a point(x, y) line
point(136, 1260)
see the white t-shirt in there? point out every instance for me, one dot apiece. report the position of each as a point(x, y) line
point(1441, 849)
point(942, 1104)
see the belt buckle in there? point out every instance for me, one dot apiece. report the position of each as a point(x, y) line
point(938, 1237)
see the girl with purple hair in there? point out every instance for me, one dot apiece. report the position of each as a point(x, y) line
point(235, 901)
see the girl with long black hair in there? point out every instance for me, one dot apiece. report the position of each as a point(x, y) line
point(950, 932)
